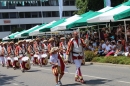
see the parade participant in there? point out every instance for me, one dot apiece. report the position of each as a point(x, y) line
point(36, 58)
point(51, 44)
point(19, 53)
point(5, 51)
point(30, 49)
point(75, 47)
point(11, 53)
point(58, 66)
point(2, 55)
point(63, 47)
point(45, 46)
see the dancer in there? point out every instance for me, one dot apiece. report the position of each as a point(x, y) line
point(58, 65)
point(75, 46)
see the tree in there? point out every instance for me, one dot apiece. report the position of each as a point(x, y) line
point(82, 6)
point(95, 5)
point(18, 29)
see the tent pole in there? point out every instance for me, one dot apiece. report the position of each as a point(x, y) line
point(99, 31)
point(125, 30)
point(79, 31)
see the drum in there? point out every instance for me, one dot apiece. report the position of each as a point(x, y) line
point(44, 59)
point(16, 62)
point(26, 63)
point(9, 63)
point(35, 59)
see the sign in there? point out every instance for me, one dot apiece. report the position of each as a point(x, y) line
point(7, 21)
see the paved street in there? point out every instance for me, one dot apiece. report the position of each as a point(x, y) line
point(94, 75)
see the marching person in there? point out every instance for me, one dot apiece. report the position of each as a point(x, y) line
point(63, 47)
point(2, 55)
point(30, 49)
point(51, 44)
point(11, 53)
point(58, 66)
point(75, 46)
point(19, 52)
point(5, 51)
point(45, 46)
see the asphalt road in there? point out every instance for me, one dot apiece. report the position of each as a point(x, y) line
point(94, 75)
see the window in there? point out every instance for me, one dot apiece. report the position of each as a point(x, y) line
point(39, 13)
point(66, 13)
point(5, 15)
point(27, 15)
point(0, 15)
point(13, 15)
point(72, 13)
point(19, 4)
point(6, 27)
point(47, 3)
point(33, 4)
point(28, 26)
point(23, 26)
point(13, 26)
point(21, 15)
point(72, 2)
point(66, 2)
point(55, 14)
point(34, 14)
point(27, 3)
point(1, 28)
point(47, 14)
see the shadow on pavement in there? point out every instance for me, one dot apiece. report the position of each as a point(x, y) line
point(97, 81)
point(33, 70)
point(5, 80)
point(74, 84)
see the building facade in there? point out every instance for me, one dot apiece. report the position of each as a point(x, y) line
point(26, 14)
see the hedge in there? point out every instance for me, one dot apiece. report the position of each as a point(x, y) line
point(92, 57)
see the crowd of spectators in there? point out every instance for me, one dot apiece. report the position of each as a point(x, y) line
point(109, 42)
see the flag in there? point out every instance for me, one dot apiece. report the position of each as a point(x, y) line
point(107, 3)
point(60, 8)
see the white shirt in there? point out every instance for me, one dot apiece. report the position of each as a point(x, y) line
point(108, 47)
point(103, 46)
point(54, 59)
point(0, 50)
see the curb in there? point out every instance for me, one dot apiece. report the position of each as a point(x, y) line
point(108, 64)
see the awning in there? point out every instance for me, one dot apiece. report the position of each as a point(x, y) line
point(109, 15)
point(36, 32)
point(63, 25)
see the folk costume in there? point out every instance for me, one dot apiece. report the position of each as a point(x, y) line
point(63, 47)
point(2, 60)
point(58, 66)
point(75, 46)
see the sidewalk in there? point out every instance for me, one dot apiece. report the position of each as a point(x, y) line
point(108, 64)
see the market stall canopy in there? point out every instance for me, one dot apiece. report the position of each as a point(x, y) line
point(36, 31)
point(82, 21)
point(109, 15)
point(5, 38)
point(20, 34)
point(105, 9)
point(11, 36)
point(86, 16)
point(53, 25)
point(63, 25)
point(26, 33)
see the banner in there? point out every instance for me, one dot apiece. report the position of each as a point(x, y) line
point(107, 3)
point(60, 8)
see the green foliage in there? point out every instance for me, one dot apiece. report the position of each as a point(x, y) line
point(81, 6)
point(89, 55)
point(113, 60)
point(18, 29)
point(95, 5)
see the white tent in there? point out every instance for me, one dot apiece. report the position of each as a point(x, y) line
point(105, 9)
point(36, 32)
point(19, 35)
point(108, 16)
point(5, 38)
point(69, 20)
